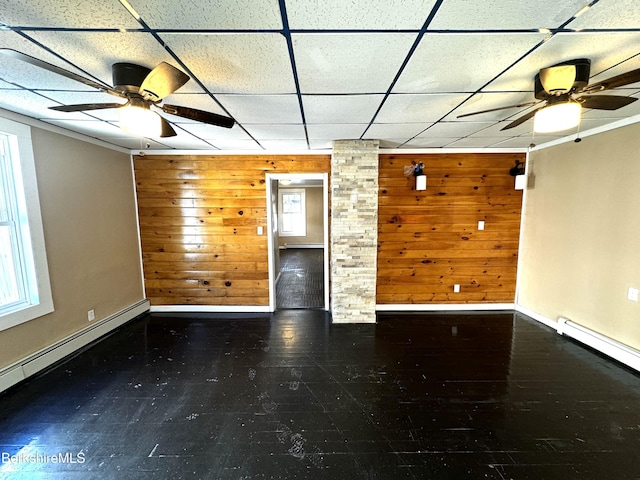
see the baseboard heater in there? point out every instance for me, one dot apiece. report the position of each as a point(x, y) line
point(616, 350)
point(46, 357)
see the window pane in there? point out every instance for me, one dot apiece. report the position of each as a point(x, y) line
point(9, 291)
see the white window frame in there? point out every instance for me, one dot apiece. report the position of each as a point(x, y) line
point(36, 292)
point(300, 229)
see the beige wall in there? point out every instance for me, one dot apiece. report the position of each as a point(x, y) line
point(89, 220)
point(315, 219)
point(581, 228)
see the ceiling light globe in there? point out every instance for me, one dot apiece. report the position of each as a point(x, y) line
point(140, 121)
point(558, 117)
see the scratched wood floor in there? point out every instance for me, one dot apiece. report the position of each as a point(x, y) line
point(434, 396)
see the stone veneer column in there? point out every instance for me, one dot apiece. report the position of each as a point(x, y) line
point(354, 230)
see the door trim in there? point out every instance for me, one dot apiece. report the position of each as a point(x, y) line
point(272, 228)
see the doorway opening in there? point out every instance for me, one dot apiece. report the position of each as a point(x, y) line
point(298, 237)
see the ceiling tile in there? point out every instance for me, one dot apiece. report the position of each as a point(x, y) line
point(225, 144)
point(284, 144)
point(458, 63)
point(320, 144)
point(66, 13)
point(33, 105)
point(335, 63)
point(425, 142)
point(213, 133)
point(514, 142)
point(92, 128)
point(423, 108)
point(373, 14)
point(184, 141)
point(487, 101)
point(604, 50)
point(609, 14)
point(250, 64)
point(29, 76)
point(277, 132)
point(476, 142)
point(504, 14)
point(210, 14)
point(336, 131)
point(263, 109)
point(455, 129)
point(340, 108)
point(395, 130)
point(95, 52)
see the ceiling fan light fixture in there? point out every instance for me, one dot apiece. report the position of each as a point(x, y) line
point(557, 117)
point(139, 120)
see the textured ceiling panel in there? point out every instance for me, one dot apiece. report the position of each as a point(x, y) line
point(610, 14)
point(347, 15)
point(66, 13)
point(334, 63)
point(299, 74)
point(504, 14)
point(418, 108)
point(458, 63)
point(604, 50)
point(395, 131)
point(277, 132)
point(210, 14)
point(248, 64)
point(95, 52)
point(340, 108)
point(263, 109)
point(336, 130)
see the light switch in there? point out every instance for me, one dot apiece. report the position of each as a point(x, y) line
point(456, 288)
point(481, 225)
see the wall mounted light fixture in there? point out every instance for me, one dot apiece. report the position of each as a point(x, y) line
point(417, 170)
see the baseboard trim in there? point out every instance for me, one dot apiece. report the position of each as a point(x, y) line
point(605, 345)
point(301, 245)
point(38, 361)
point(210, 309)
point(612, 348)
point(445, 307)
point(536, 316)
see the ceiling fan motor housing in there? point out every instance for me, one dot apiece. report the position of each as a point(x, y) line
point(128, 77)
point(583, 70)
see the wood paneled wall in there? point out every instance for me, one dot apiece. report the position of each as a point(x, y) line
point(429, 240)
point(198, 223)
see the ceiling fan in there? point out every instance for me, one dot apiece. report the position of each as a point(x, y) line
point(562, 90)
point(142, 88)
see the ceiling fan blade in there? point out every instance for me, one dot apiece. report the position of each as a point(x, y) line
point(163, 80)
point(60, 71)
point(621, 80)
point(527, 104)
point(167, 129)
point(199, 115)
point(558, 79)
point(522, 119)
point(606, 102)
point(83, 107)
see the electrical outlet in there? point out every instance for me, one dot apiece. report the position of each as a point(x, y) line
point(632, 294)
point(91, 315)
point(481, 225)
point(260, 230)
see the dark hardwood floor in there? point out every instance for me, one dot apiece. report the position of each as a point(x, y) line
point(437, 396)
point(301, 280)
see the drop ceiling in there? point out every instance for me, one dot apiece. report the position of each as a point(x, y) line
point(298, 74)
